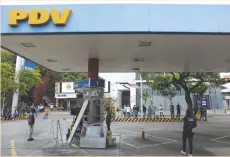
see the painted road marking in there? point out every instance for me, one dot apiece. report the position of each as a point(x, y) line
point(76, 146)
point(131, 145)
point(222, 142)
point(152, 136)
point(158, 144)
point(13, 151)
point(219, 138)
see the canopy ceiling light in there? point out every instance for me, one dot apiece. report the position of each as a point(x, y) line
point(138, 59)
point(145, 43)
point(136, 69)
point(51, 60)
point(208, 69)
point(66, 69)
point(27, 44)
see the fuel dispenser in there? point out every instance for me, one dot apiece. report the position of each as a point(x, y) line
point(93, 132)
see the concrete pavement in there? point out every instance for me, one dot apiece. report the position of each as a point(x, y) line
point(162, 139)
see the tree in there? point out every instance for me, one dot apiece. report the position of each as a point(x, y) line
point(146, 96)
point(8, 57)
point(49, 78)
point(162, 85)
point(191, 83)
point(8, 84)
point(27, 80)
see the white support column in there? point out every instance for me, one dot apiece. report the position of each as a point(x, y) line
point(132, 96)
point(141, 97)
point(19, 64)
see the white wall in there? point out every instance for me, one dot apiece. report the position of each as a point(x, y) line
point(118, 77)
point(115, 87)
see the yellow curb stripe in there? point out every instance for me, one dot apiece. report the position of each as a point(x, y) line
point(137, 119)
point(13, 152)
point(74, 145)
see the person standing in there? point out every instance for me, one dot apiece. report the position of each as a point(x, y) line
point(128, 111)
point(202, 113)
point(51, 107)
point(150, 112)
point(178, 108)
point(134, 111)
point(188, 132)
point(31, 121)
point(108, 118)
point(154, 111)
point(161, 111)
point(124, 111)
point(172, 110)
point(45, 104)
point(137, 108)
point(144, 111)
point(46, 113)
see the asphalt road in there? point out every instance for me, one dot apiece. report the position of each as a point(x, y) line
point(212, 138)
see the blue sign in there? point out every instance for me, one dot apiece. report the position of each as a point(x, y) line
point(81, 84)
point(29, 64)
point(89, 83)
point(97, 83)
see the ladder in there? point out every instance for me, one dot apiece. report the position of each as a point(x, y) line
point(80, 116)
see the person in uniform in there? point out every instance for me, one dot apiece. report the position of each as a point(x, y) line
point(108, 118)
point(31, 121)
point(188, 132)
point(172, 110)
point(178, 108)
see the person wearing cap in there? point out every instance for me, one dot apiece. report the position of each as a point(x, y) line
point(188, 132)
point(31, 121)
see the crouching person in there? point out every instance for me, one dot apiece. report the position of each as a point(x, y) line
point(31, 121)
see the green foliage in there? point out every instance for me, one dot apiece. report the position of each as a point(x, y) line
point(108, 101)
point(27, 80)
point(195, 83)
point(8, 84)
point(58, 77)
point(8, 57)
point(70, 77)
point(62, 76)
point(162, 84)
point(146, 96)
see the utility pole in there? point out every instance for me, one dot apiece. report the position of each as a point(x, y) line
point(18, 67)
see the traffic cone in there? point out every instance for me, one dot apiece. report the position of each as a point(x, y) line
point(143, 134)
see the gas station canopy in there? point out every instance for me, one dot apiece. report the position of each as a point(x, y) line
point(124, 37)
